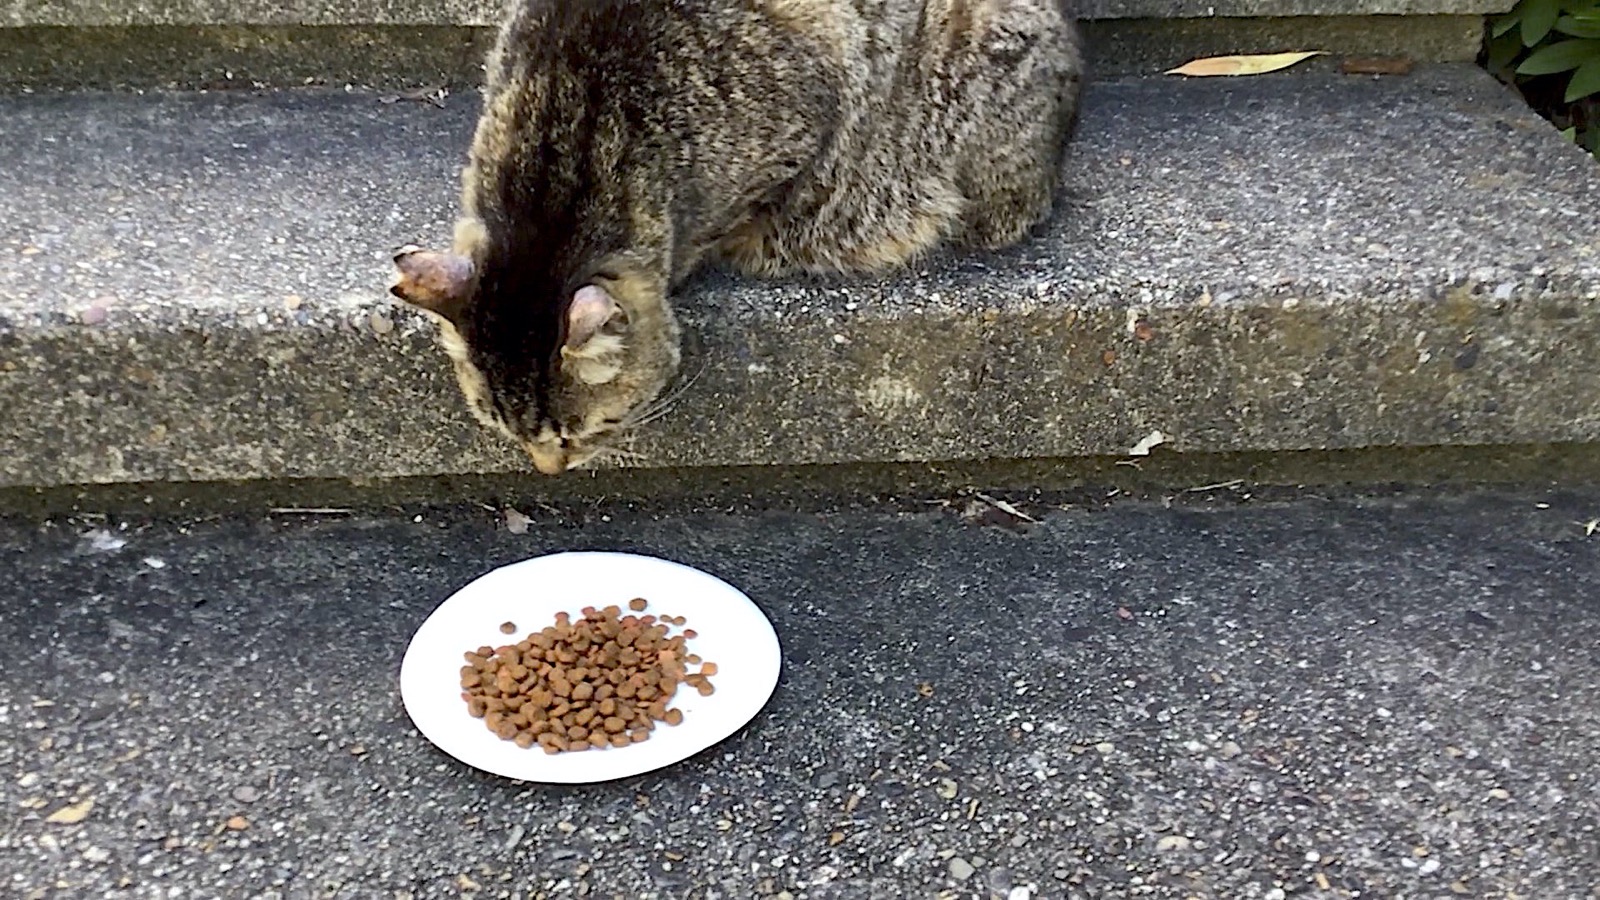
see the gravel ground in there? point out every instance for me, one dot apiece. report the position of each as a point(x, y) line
point(1326, 697)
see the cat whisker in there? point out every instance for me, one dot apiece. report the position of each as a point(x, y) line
point(628, 456)
point(653, 411)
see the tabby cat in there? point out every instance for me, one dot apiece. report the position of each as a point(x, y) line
point(624, 143)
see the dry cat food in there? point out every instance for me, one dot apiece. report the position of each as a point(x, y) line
point(602, 681)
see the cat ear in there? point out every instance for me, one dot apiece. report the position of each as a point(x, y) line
point(596, 324)
point(436, 282)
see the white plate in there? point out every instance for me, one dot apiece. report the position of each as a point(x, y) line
point(731, 632)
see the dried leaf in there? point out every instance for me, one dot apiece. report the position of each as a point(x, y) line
point(1147, 443)
point(516, 522)
point(238, 823)
point(71, 815)
point(1256, 64)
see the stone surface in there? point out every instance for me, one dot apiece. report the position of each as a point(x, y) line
point(1395, 698)
point(1277, 263)
point(413, 56)
point(484, 12)
point(1119, 47)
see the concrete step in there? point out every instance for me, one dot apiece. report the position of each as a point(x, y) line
point(185, 43)
point(195, 291)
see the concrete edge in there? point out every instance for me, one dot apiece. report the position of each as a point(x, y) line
point(92, 13)
point(407, 56)
point(1085, 482)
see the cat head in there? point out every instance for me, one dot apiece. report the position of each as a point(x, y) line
point(561, 365)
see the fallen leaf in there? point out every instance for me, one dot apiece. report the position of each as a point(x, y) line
point(238, 823)
point(1255, 64)
point(1124, 613)
point(835, 839)
point(925, 689)
point(1376, 65)
point(516, 522)
point(71, 815)
point(1147, 443)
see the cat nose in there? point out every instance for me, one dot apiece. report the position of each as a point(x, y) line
point(548, 461)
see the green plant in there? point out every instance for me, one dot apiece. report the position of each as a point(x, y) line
point(1550, 49)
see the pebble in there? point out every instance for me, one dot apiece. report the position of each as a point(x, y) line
point(1105, 748)
point(245, 793)
point(1499, 794)
point(1428, 867)
point(947, 788)
point(1020, 892)
point(32, 778)
point(960, 869)
point(1275, 894)
point(1172, 842)
point(380, 323)
point(96, 854)
point(1231, 749)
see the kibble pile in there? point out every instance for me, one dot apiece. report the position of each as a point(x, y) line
point(602, 681)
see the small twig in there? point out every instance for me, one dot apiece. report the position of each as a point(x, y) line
point(1216, 487)
point(1004, 507)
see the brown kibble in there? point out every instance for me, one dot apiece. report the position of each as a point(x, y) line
point(690, 633)
point(599, 681)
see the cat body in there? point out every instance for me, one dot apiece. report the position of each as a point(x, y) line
point(623, 144)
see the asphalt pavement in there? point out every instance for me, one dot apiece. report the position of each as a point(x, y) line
point(1323, 696)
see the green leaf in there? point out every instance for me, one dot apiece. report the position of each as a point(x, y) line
point(1538, 17)
point(1584, 82)
point(1570, 134)
point(1505, 23)
point(1503, 51)
point(1579, 26)
point(1559, 57)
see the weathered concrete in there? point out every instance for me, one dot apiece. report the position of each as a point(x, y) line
point(1119, 47)
point(82, 13)
point(1331, 698)
point(1251, 265)
point(401, 57)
